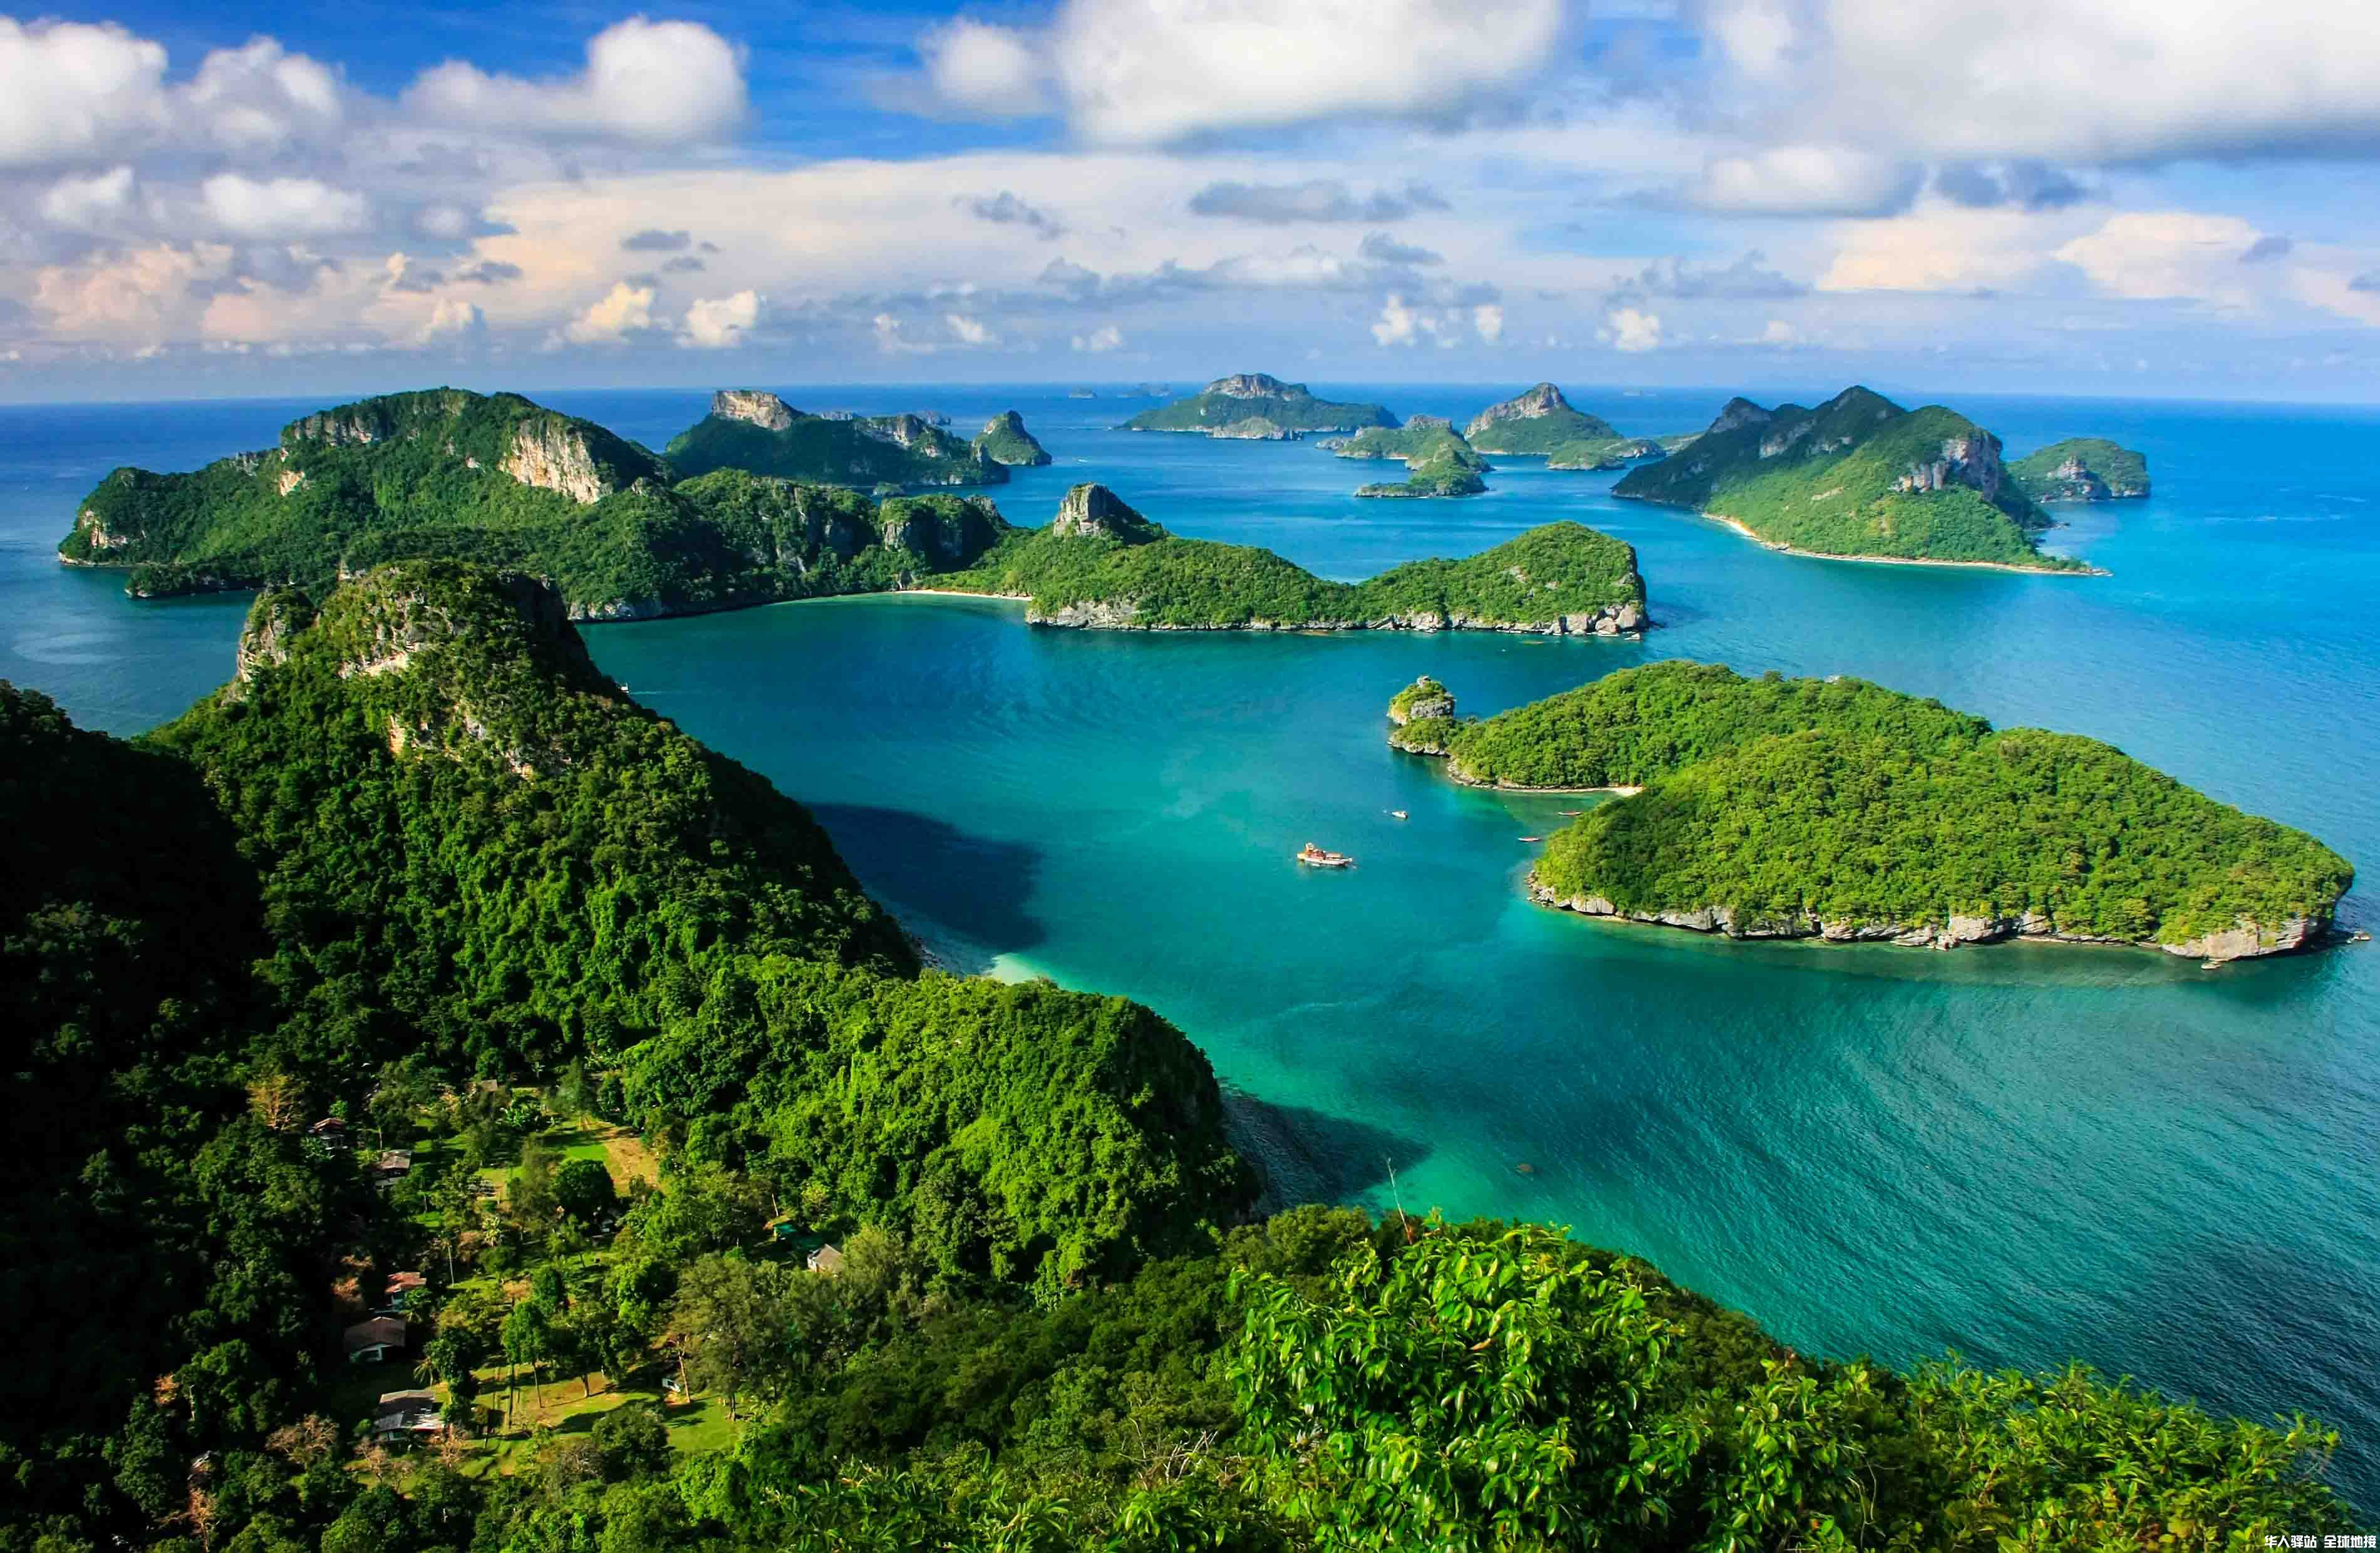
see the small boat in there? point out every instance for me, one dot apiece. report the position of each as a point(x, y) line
point(1533, 838)
point(1570, 813)
point(1321, 857)
point(1396, 814)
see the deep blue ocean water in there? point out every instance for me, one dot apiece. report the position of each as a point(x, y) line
point(2021, 1153)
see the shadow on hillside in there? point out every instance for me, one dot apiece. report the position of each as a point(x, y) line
point(1310, 1155)
point(938, 879)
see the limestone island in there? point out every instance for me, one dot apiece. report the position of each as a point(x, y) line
point(1006, 441)
point(1438, 460)
point(2082, 470)
point(1256, 405)
point(1540, 421)
point(1859, 478)
point(1101, 564)
point(755, 431)
point(498, 480)
point(1837, 809)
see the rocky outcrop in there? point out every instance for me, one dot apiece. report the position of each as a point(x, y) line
point(289, 480)
point(1255, 429)
point(901, 431)
point(1973, 460)
point(1004, 439)
point(1543, 400)
point(756, 406)
point(1738, 411)
point(380, 419)
point(278, 614)
point(1251, 386)
point(2246, 940)
point(551, 453)
point(1095, 511)
point(1423, 699)
point(947, 541)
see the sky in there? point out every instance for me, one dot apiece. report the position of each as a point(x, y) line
point(2128, 198)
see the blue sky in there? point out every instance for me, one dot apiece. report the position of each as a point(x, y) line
point(2122, 197)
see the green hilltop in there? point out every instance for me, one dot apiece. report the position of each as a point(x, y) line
point(1005, 440)
point(1100, 564)
point(2082, 470)
point(1536, 420)
point(1278, 407)
point(1857, 477)
point(750, 430)
point(1777, 808)
point(501, 481)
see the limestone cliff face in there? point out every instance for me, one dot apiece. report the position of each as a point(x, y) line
point(377, 421)
point(1251, 386)
point(1543, 400)
point(1095, 511)
point(1423, 699)
point(551, 454)
point(2244, 940)
point(901, 431)
point(946, 540)
point(1738, 411)
point(1254, 428)
point(278, 614)
point(1971, 460)
point(757, 405)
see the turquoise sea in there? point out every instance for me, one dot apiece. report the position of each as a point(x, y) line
point(2017, 1153)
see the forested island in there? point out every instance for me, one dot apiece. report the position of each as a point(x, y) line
point(497, 480)
point(1858, 478)
point(2082, 470)
point(1438, 461)
point(1101, 564)
point(1257, 405)
point(1835, 809)
point(750, 430)
point(421, 971)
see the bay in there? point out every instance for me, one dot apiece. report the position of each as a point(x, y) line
point(2022, 1153)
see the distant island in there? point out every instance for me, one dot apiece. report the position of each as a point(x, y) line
point(1839, 810)
point(2082, 470)
point(1006, 441)
point(1859, 478)
point(498, 480)
point(1254, 405)
point(1438, 460)
point(754, 431)
point(1540, 421)
point(1101, 564)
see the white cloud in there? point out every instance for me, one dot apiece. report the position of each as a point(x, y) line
point(91, 205)
point(140, 295)
point(1808, 180)
point(1396, 324)
point(979, 68)
point(260, 97)
point(1943, 248)
point(2144, 255)
point(718, 322)
point(1777, 332)
point(656, 82)
point(1627, 329)
point(1147, 72)
point(245, 207)
point(624, 310)
point(1489, 319)
point(1100, 341)
point(2090, 80)
point(970, 331)
point(452, 319)
point(70, 91)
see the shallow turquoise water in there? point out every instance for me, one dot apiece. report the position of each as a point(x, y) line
point(2021, 1153)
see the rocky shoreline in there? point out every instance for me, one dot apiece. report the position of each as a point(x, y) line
point(1612, 620)
point(2243, 942)
point(1783, 548)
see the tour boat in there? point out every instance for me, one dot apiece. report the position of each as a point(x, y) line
point(1396, 814)
point(1533, 838)
point(1316, 856)
point(1570, 813)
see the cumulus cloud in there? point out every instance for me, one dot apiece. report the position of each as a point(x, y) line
point(260, 97)
point(1402, 325)
point(1005, 209)
point(2077, 80)
point(1808, 180)
point(1631, 330)
point(970, 331)
point(246, 207)
point(652, 82)
point(2149, 255)
point(1939, 250)
point(93, 205)
point(1100, 341)
point(653, 239)
point(453, 320)
point(1317, 199)
point(720, 322)
point(978, 68)
point(1148, 72)
point(1488, 318)
point(623, 310)
point(1381, 248)
point(68, 90)
point(1748, 277)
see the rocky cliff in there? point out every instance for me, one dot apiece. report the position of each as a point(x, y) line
point(1091, 510)
point(1537, 421)
point(551, 453)
point(754, 406)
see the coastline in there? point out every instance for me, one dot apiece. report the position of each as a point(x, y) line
point(2085, 571)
